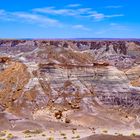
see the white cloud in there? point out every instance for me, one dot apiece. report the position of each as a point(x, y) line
point(97, 16)
point(51, 10)
point(35, 18)
point(79, 12)
point(116, 26)
point(41, 16)
point(80, 27)
point(113, 27)
point(74, 5)
point(6, 16)
point(113, 24)
point(63, 12)
point(100, 16)
point(114, 6)
point(28, 17)
point(2, 11)
point(115, 15)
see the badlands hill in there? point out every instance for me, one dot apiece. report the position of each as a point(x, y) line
point(93, 86)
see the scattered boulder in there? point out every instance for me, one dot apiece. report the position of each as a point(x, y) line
point(67, 120)
point(58, 114)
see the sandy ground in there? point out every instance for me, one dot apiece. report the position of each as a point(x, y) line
point(109, 137)
point(41, 129)
point(51, 134)
point(48, 135)
point(29, 130)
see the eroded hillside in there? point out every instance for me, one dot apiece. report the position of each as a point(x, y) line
point(87, 83)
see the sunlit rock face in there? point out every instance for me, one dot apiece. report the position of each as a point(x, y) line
point(79, 75)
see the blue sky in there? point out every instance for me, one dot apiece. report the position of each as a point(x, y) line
point(70, 19)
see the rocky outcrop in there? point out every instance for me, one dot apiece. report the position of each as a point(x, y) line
point(77, 75)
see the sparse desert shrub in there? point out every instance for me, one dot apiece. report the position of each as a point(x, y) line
point(77, 137)
point(43, 135)
point(105, 131)
point(133, 134)
point(120, 134)
point(50, 138)
point(26, 131)
point(73, 130)
point(32, 131)
point(10, 136)
point(65, 138)
point(2, 134)
point(62, 134)
point(4, 131)
point(28, 136)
